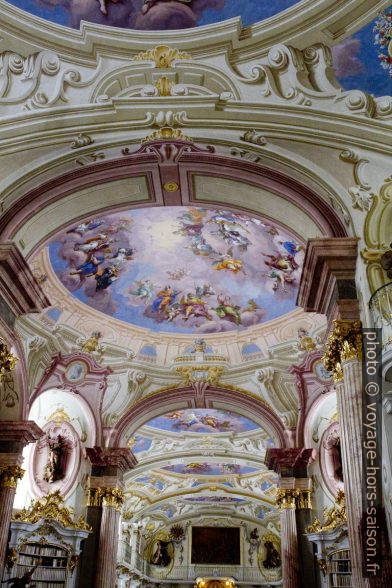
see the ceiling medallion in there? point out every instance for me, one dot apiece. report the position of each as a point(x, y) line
point(162, 55)
point(171, 187)
point(167, 133)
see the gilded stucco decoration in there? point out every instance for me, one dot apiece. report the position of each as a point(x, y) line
point(344, 344)
point(333, 517)
point(8, 361)
point(162, 55)
point(51, 507)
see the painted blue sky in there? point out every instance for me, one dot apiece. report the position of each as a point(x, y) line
point(357, 62)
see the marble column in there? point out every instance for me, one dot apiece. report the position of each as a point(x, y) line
point(289, 538)
point(343, 359)
point(9, 476)
point(14, 436)
point(112, 501)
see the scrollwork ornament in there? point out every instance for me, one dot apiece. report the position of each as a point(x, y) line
point(51, 507)
point(333, 517)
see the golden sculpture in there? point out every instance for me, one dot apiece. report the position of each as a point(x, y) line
point(162, 55)
point(333, 517)
point(167, 133)
point(344, 344)
point(10, 475)
point(92, 343)
point(7, 360)
point(51, 507)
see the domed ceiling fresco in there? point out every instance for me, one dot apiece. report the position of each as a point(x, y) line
point(200, 420)
point(183, 270)
point(362, 61)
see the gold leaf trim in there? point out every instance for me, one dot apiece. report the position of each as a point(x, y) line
point(162, 55)
point(51, 507)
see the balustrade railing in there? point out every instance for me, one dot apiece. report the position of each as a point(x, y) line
point(381, 308)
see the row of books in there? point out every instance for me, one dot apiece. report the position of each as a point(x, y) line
point(344, 554)
point(337, 580)
point(36, 549)
point(340, 566)
point(54, 562)
point(46, 573)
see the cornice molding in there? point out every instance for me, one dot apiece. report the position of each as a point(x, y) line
point(328, 20)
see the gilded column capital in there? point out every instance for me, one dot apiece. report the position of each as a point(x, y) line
point(106, 497)
point(287, 498)
point(10, 475)
point(304, 500)
point(344, 344)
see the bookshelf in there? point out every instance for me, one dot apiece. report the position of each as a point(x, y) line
point(52, 561)
point(339, 569)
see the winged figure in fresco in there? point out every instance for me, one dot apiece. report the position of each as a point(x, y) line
point(227, 310)
point(143, 290)
point(227, 262)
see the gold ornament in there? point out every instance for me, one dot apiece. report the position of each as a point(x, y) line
point(287, 498)
point(164, 86)
point(51, 507)
point(10, 475)
point(333, 517)
point(108, 497)
point(209, 374)
point(343, 345)
point(58, 416)
point(7, 360)
point(92, 343)
point(167, 134)
point(162, 55)
point(171, 187)
point(304, 500)
point(306, 343)
point(323, 566)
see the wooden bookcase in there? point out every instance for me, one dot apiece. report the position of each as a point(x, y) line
point(339, 569)
point(53, 564)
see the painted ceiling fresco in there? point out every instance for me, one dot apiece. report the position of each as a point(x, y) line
point(361, 61)
point(176, 269)
point(210, 469)
point(200, 420)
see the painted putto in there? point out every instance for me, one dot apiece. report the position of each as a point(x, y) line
point(202, 420)
point(185, 270)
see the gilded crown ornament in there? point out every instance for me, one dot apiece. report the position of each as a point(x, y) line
point(51, 507)
point(8, 361)
point(343, 345)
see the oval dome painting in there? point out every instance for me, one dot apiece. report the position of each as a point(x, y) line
point(182, 270)
point(151, 14)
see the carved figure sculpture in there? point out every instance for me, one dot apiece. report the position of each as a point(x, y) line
point(272, 559)
point(54, 467)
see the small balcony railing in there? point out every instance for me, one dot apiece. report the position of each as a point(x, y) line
point(380, 306)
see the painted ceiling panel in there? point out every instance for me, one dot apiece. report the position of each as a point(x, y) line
point(181, 270)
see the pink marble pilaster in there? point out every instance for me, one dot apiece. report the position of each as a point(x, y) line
point(290, 551)
point(349, 400)
point(108, 544)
